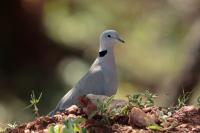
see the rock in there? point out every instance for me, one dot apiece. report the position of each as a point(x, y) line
point(94, 126)
point(58, 117)
point(147, 109)
point(91, 107)
point(45, 130)
point(71, 116)
point(196, 129)
point(27, 131)
point(188, 108)
point(138, 118)
point(188, 114)
point(29, 125)
point(118, 128)
point(183, 126)
point(170, 119)
point(72, 109)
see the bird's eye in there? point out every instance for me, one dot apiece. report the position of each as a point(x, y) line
point(109, 36)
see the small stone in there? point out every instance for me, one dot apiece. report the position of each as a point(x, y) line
point(147, 109)
point(27, 131)
point(183, 125)
point(170, 119)
point(72, 109)
point(189, 108)
point(196, 129)
point(165, 124)
point(91, 107)
point(138, 118)
point(29, 125)
point(45, 130)
point(58, 117)
point(71, 116)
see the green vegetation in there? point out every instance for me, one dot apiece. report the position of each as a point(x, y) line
point(141, 100)
point(121, 111)
point(106, 112)
point(198, 100)
point(155, 127)
point(12, 125)
point(103, 109)
point(3, 127)
point(34, 101)
point(183, 99)
point(69, 126)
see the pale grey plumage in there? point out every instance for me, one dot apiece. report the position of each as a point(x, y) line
point(101, 79)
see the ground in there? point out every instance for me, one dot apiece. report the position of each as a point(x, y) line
point(98, 118)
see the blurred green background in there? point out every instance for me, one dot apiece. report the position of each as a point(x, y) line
point(48, 45)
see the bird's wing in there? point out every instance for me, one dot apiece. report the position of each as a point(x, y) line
point(92, 83)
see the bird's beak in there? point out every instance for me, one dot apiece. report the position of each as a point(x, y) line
point(121, 40)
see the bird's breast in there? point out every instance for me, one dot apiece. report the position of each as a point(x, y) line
point(111, 81)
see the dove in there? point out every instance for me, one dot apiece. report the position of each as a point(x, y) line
point(101, 79)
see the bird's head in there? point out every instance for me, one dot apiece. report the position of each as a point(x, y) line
point(109, 38)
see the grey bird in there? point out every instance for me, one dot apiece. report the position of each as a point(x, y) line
point(101, 79)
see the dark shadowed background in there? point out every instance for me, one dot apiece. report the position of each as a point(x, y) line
point(47, 45)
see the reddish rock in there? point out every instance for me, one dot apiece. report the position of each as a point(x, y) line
point(72, 109)
point(188, 114)
point(138, 118)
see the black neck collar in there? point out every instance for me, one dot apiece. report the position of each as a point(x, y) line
point(102, 53)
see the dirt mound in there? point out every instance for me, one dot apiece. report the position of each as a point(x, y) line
point(147, 120)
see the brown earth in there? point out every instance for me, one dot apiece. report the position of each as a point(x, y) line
point(142, 120)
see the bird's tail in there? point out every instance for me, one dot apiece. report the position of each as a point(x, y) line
point(52, 112)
